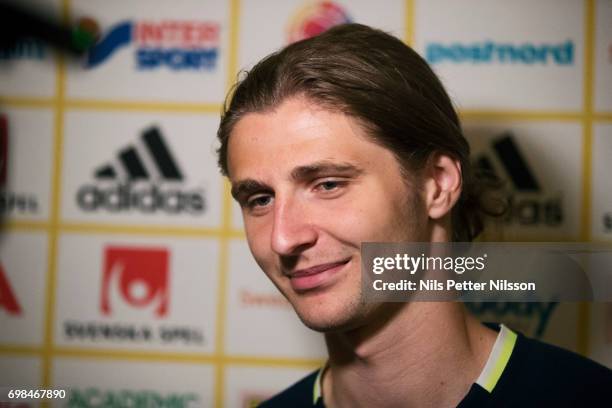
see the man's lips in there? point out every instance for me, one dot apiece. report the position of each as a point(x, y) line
point(315, 276)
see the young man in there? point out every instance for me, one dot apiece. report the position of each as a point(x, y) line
point(349, 137)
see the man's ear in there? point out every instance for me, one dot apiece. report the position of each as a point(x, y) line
point(442, 184)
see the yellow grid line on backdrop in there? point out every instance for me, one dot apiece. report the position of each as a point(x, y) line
point(157, 230)
point(589, 71)
point(212, 108)
point(20, 102)
point(22, 350)
point(481, 114)
point(226, 222)
point(146, 230)
point(587, 155)
point(95, 104)
point(222, 298)
point(112, 105)
point(174, 357)
point(147, 356)
point(22, 225)
point(603, 117)
point(47, 366)
point(409, 20)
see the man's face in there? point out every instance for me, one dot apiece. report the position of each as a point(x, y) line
point(312, 187)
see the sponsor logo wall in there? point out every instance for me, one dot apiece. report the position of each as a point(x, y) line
point(125, 275)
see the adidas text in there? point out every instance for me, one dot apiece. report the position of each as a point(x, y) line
point(535, 211)
point(149, 199)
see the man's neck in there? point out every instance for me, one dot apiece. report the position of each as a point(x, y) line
point(415, 355)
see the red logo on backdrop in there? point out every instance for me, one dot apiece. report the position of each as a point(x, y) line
point(315, 18)
point(3, 149)
point(139, 274)
point(8, 301)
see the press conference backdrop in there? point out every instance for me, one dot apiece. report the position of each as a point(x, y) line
point(125, 276)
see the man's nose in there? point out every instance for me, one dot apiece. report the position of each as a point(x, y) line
point(293, 230)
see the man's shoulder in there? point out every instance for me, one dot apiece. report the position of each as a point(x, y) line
point(539, 370)
point(559, 362)
point(298, 395)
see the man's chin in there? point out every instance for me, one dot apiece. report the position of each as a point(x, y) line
point(336, 327)
point(343, 320)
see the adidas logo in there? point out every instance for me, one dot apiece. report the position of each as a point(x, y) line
point(528, 205)
point(133, 166)
point(141, 175)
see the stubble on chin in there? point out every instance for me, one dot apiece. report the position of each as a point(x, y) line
point(345, 315)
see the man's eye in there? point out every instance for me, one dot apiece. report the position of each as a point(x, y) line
point(330, 185)
point(259, 201)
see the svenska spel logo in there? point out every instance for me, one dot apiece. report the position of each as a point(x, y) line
point(145, 177)
point(133, 302)
point(8, 300)
point(173, 44)
point(139, 275)
point(315, 18)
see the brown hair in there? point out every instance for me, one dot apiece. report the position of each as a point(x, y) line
point(384, 84)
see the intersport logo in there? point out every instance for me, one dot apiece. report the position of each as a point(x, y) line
point(8, 300)
point(490, 52)
point(145, 178)
point(139, 276)
point(528, 202)
point(11, 202)
point(315, 18)
point(174, 44)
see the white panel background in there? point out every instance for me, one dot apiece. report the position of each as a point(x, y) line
point(65, 122)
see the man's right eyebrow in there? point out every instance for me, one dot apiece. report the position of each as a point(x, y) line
point(245, 188)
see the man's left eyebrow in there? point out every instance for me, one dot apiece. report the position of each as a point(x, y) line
point(324, 168)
